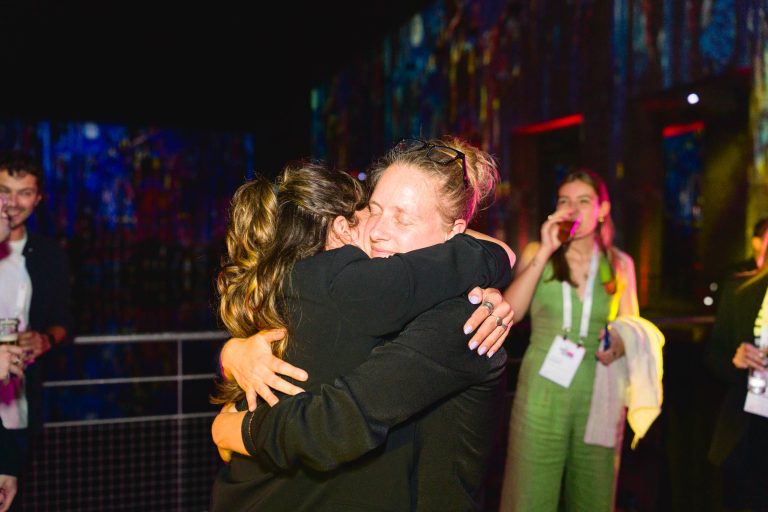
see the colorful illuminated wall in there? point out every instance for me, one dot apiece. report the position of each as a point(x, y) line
point(483, 70)
point(142, 214)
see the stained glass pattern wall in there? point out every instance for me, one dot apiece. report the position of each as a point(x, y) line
point(479, 69)
point(142, 214)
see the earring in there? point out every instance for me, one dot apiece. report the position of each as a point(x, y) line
point(600, 219)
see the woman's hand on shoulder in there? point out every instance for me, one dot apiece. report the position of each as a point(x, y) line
point(250, 362)
point(492, 318)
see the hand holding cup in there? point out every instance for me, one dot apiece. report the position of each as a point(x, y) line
point(559, 229)
point(566, 230)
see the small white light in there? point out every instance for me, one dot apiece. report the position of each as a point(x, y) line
point(361, 176)
point(693, 98)
point(708, 301)
point(91, 131)
point(713, 287)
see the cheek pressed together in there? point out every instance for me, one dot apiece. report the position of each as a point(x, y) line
point(404, 213)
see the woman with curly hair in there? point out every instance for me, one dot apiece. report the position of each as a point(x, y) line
point(289, 267)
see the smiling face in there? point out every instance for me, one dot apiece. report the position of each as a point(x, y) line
point(581, 202)
point(405, 214)
point(21, 195)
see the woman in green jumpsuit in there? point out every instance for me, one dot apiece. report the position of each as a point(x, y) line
point(579, 272)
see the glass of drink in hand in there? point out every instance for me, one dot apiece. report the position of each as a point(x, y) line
point(9, 331)
point(566, 230)
point(758, 379)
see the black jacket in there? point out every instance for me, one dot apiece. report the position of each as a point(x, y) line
point(341, 305)
point(9, 458)
point(740, 302)
point(48, 269)
point(427, 373)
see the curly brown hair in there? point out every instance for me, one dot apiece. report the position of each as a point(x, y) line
point(271, 227)
point(19, 164)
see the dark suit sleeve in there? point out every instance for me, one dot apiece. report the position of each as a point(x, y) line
point(61, 310)
point(725, 338)
point(9, 463)
point(720, 347)
point(426, 363)
point(390, 292)
point(49, 272)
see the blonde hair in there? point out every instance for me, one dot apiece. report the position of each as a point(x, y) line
point(457, 200)
point(272, 227)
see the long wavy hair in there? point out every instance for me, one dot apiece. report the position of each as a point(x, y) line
point(271, 227)
point(604, 234)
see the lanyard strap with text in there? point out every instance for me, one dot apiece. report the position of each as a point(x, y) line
point(761, 323)
point(587, 308)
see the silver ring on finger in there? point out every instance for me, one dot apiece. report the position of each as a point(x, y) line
point(499, 321)
point(488, 304)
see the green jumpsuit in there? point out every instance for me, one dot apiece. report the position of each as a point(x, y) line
point(546, 434)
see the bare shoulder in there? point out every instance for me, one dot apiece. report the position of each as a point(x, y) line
point(624, 262)
point(529, 252)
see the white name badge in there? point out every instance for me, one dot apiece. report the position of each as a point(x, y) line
point(756, 404)
point(563, 359)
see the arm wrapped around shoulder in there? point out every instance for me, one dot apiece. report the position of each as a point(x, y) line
point(426, 363)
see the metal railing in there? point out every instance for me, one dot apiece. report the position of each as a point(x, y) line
point(178, 338)
point(131, 462)
point(146, 461)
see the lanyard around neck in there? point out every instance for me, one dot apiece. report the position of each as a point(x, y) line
point(761, 323)
point(586, 310)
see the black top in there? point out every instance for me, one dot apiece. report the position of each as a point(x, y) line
point(427, 368)
point(9, 458)
point(48, 270)
point(354, 301)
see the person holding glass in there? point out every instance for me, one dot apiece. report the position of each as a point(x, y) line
point(740, 438)
point(574, 281)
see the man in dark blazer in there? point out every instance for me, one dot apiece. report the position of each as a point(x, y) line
point(34, 273)
point(740, 440)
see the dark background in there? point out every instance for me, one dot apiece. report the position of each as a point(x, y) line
point(250, 66)
point(242, 66)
